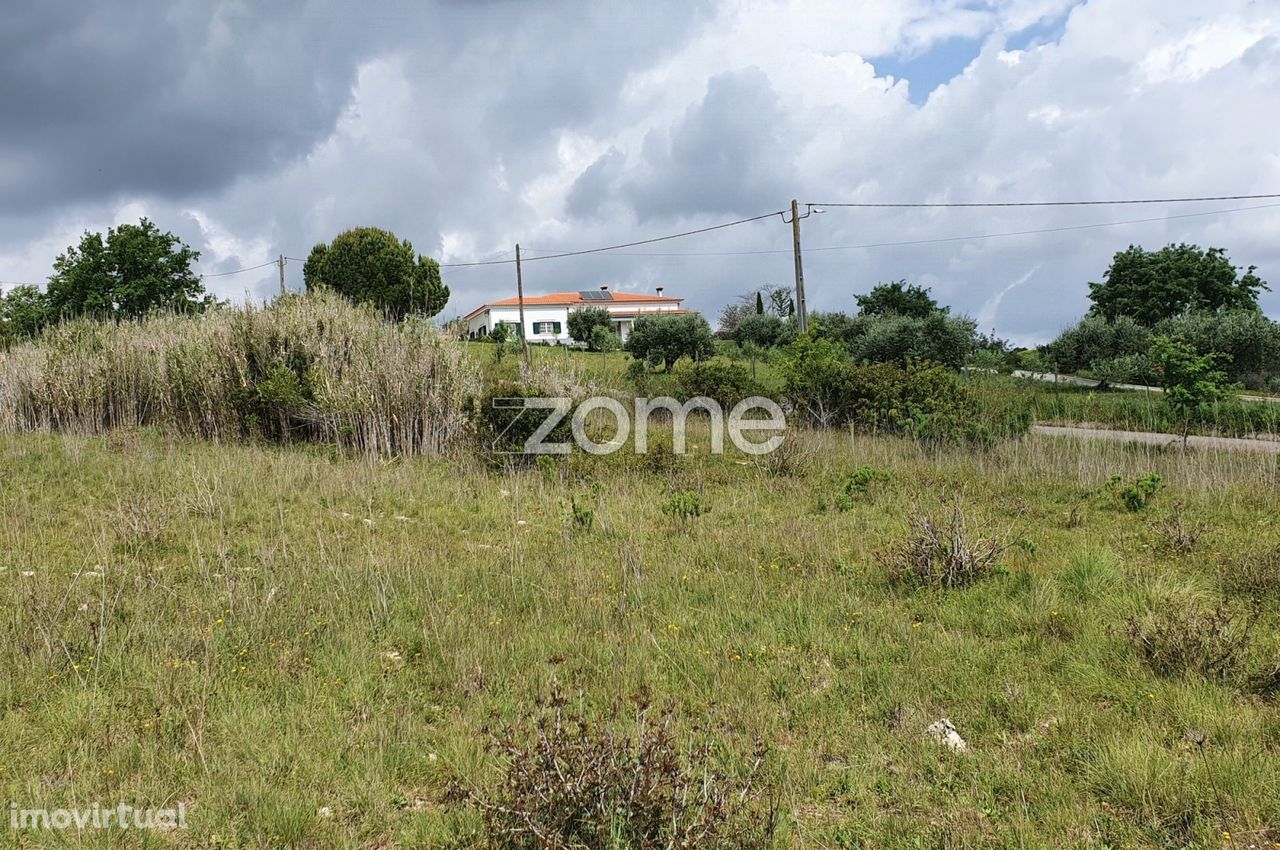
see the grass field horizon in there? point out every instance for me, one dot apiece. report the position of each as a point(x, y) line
point(304, 648)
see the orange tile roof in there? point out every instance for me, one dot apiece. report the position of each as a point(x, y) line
point(558, 299)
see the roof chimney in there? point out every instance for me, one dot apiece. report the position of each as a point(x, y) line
point(659, 290)
point(604, 287)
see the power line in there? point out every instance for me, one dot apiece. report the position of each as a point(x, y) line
point(935, 240)
point(238, 271)
point(622, 245)
point(1055, 203)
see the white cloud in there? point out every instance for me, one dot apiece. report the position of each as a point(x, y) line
point(632, 121)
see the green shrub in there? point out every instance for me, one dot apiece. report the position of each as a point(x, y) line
point(937, 337)
point(665, 339)
point(764, 330)
point(1137, 494)
point(726, 382)
point(924, 401)
point(863, 479)
point(1248, 341)
point(503, 425)
point(1094, 341)
point(604, 340)
point(685, 506)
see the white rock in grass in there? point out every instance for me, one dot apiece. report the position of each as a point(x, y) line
point(324, 812)
point(28, 573)
point(944, 732)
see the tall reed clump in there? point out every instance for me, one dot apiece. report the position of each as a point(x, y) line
point(312, 368)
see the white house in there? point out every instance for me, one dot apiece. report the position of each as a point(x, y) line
point(546, 317)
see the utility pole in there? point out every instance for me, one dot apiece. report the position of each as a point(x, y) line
point(524, 341)
point(281, 261)
point(802, 320)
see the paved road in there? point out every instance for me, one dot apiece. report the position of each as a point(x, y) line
point(1235, 444)
point(1076, 381)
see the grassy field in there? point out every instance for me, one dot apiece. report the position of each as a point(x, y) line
point(304, 648)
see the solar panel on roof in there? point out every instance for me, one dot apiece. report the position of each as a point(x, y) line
point(596, 295)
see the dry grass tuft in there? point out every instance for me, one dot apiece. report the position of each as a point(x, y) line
point(942, 553)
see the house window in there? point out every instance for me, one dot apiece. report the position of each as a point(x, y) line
point(547, 328)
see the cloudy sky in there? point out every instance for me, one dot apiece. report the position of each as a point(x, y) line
point(257, 129)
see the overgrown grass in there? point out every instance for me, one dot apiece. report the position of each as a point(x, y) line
point(265, 632)
point(1126, 410)
point(311, 368)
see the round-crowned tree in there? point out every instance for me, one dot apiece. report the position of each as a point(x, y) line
point(370, 265)
point(670, 337)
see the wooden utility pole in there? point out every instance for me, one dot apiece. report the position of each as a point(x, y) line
point(281, 261)
point(524, 342)
point(802, 320)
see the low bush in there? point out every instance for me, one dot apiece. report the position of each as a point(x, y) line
point(1137, 494)
point(577, 780)
point(942, 553)
point(685, 507)
point(726, 382)
point(924, 401)
point(503, 424)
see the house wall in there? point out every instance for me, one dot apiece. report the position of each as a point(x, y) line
point(481, 324)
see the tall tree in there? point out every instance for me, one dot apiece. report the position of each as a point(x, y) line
point(134, 270)
point(23, 313)
point(898, 298)
point(370, 265)
point(1150, 286)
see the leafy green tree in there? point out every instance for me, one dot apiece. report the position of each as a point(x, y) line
point(901, 339)
point(898, 298)
point(1094, 341)
point(1150, 286)
point(1192, 383)
point(666, 339)
point(583, 322)
point(759, 303)
point(134, 270)
point(604, 339)
point(370, 265)
point(1249, 341)
point(23, 313)
point(763, 329)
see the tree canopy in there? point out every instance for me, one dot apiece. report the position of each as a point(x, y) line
point(134, 270)
point(23, 313)
point(1151, 286)
point(583, 321)
point(666, 339)
point(369, 265)
point(898, 298)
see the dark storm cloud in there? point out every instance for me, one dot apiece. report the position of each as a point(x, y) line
point(728, 154)
point(160, 98)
